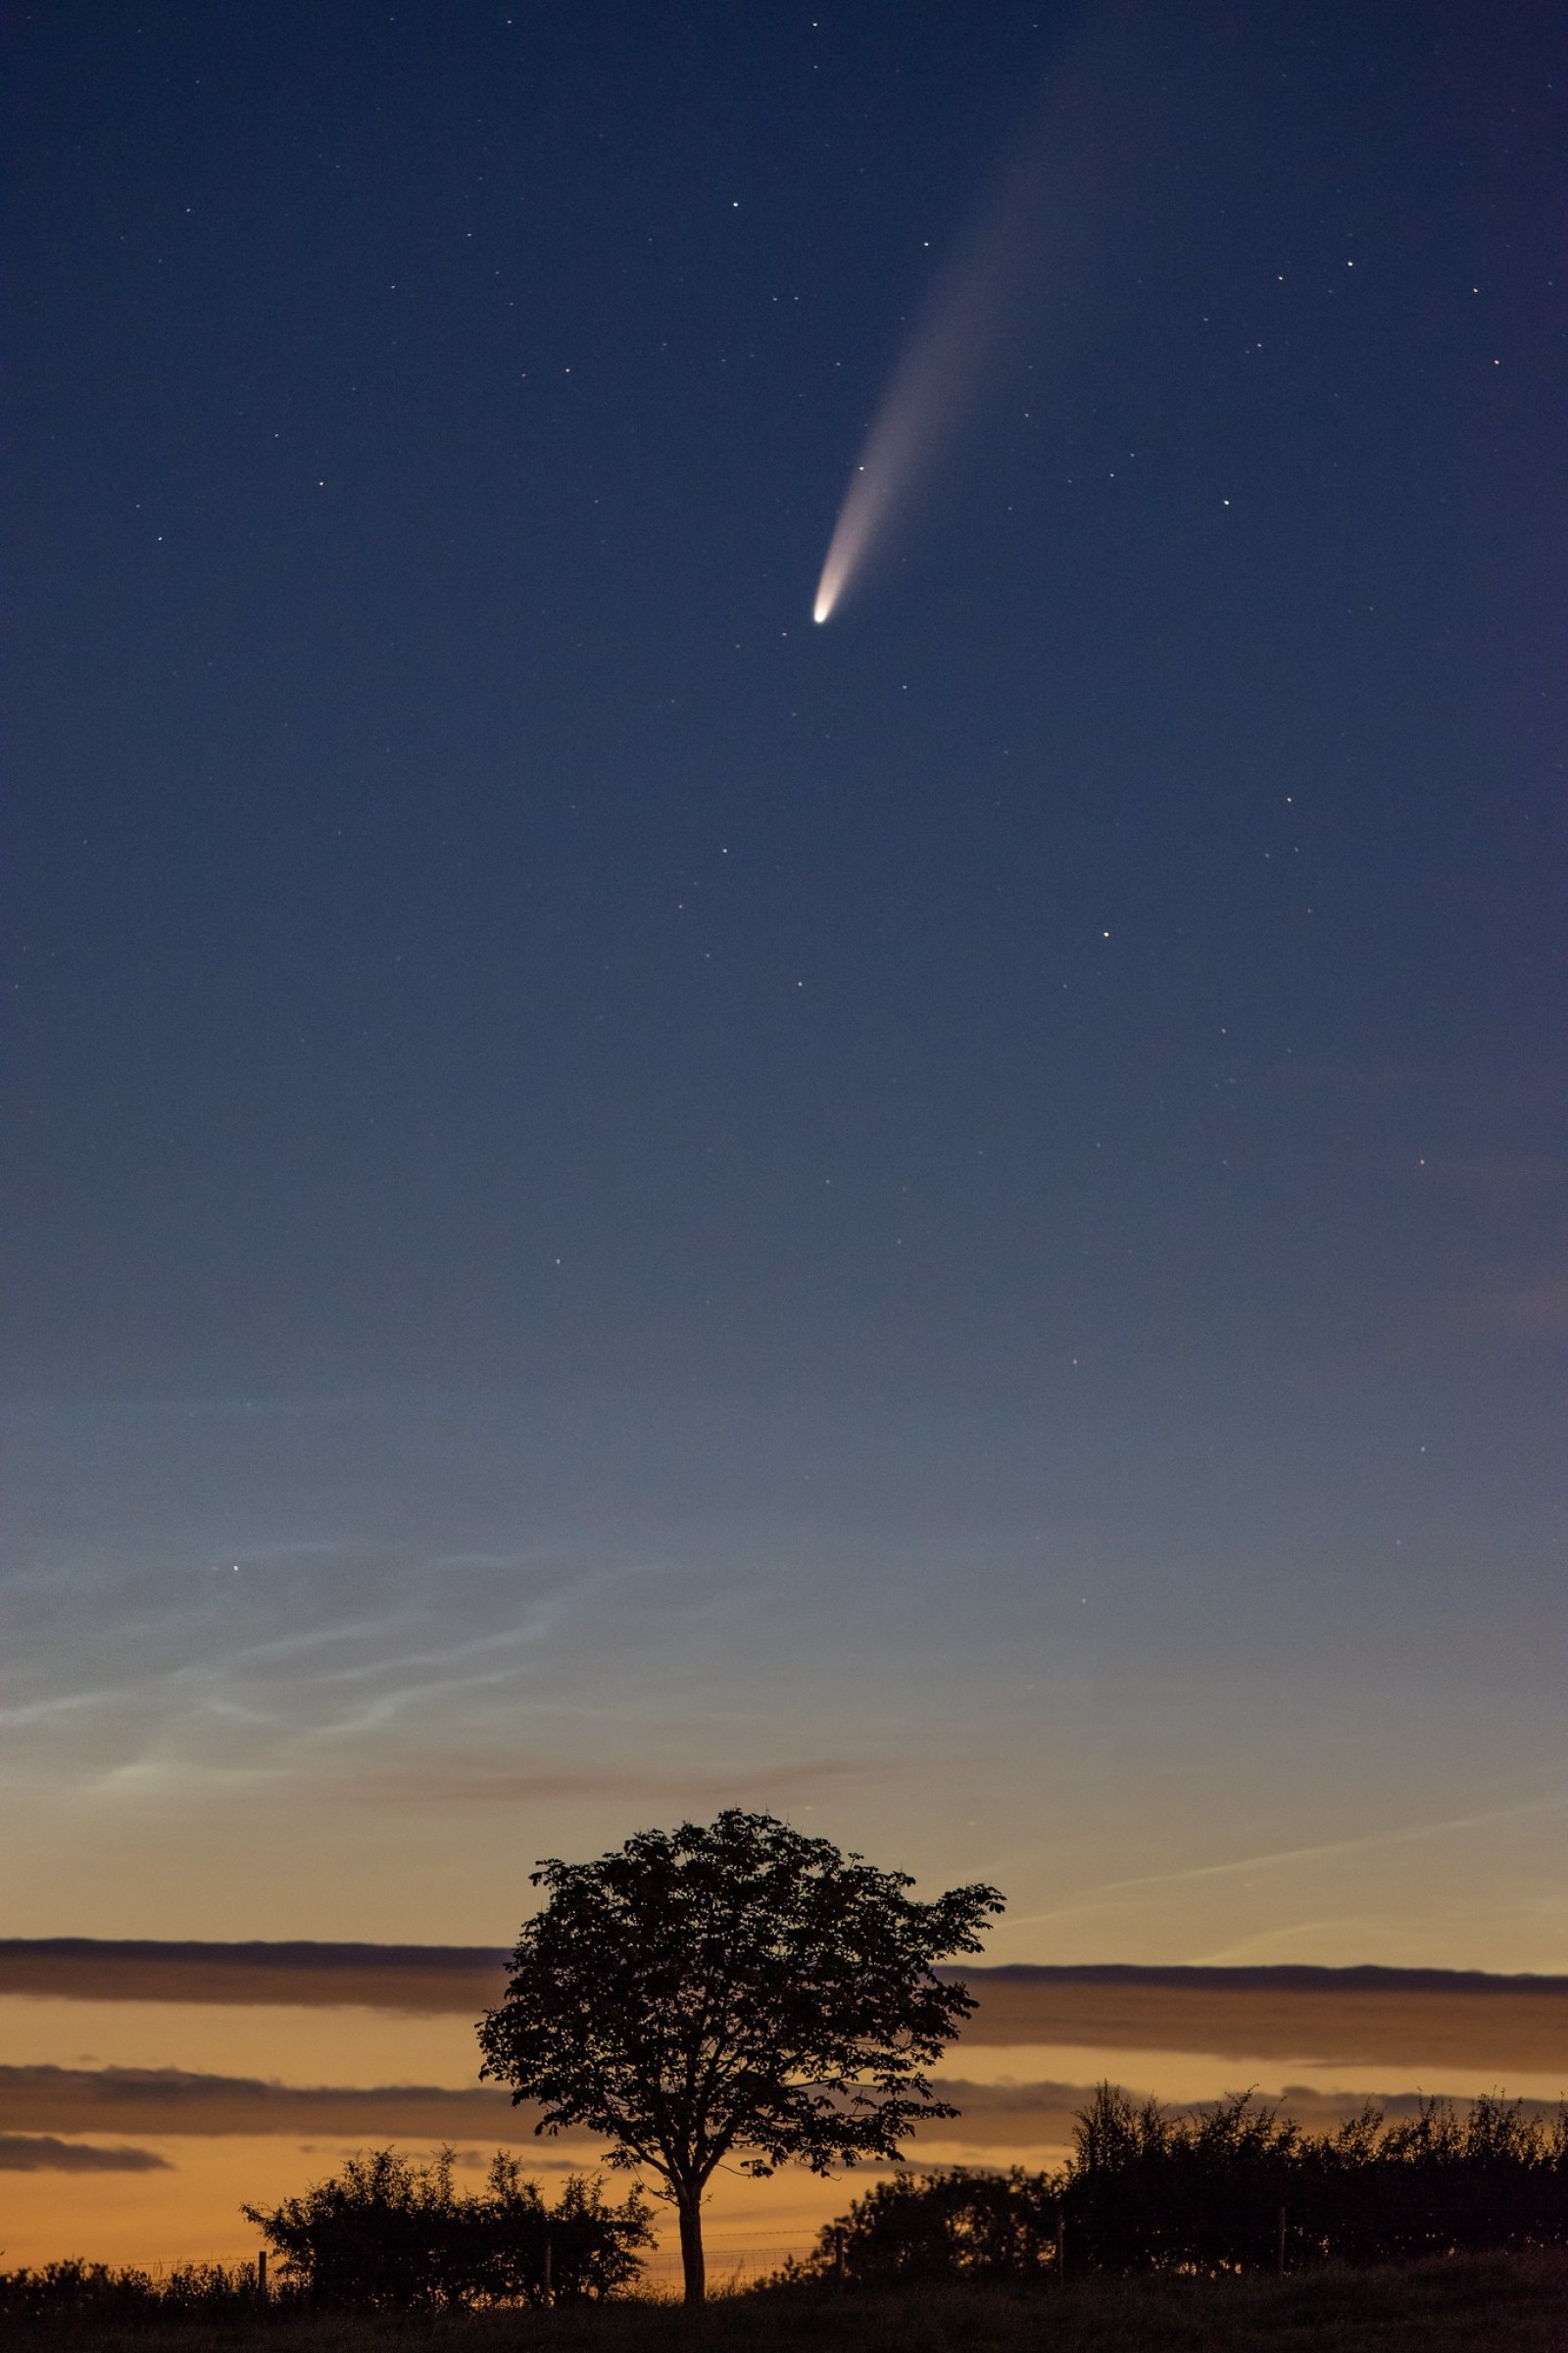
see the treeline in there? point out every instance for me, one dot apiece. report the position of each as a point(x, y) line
point(1236, 2188)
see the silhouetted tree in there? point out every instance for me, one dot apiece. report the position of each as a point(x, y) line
point(731, 1991)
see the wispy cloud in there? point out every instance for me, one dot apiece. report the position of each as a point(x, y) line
point(257, 1675)
point(1276, 1858)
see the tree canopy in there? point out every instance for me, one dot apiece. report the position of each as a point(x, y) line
point(732, 1991)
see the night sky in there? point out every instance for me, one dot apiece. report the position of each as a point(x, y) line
point(950, 1222)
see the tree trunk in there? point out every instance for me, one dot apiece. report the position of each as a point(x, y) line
point(689, 2207)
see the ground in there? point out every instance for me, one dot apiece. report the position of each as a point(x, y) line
point(1493, 2304)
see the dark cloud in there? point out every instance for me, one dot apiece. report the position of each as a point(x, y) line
point(423, 1977)
point(48, 2100)
point(168, 2100)
point(1420, 2018)
point(42, 2153)
point(1423, 2018)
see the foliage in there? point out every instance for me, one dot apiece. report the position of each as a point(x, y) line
point(387, 2235)
point(736, 1991)
point(953, 2224)
point(1149, 2191)
point(97, 2293)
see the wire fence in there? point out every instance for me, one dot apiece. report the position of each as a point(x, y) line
point(734, 2259)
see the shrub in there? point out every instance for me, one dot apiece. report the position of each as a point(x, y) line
point(1151, 2190)
point(388, 2235)
point(951, 2224)
point(97, 2292)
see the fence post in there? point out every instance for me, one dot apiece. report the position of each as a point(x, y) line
point(1061, 2241)
point(550, 2294)
point(1279, 2246)
point(261, 2277)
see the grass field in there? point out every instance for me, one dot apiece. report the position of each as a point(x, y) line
point(1490, 2304)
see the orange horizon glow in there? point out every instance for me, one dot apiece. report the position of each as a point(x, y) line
point(221, 2102)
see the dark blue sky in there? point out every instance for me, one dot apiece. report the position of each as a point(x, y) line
point(1047, 1085)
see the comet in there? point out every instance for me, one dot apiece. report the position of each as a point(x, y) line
point(932, 386)
point(964, 331)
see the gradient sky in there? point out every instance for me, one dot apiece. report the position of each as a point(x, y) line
point(951, 1223)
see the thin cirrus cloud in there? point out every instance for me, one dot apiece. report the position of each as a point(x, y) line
point(280, 1699)
point(1247, 1866)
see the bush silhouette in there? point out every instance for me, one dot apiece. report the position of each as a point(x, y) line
point(1150, 2191)
point(953, 2224)
point(93, 2293)
point(388, 2235)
